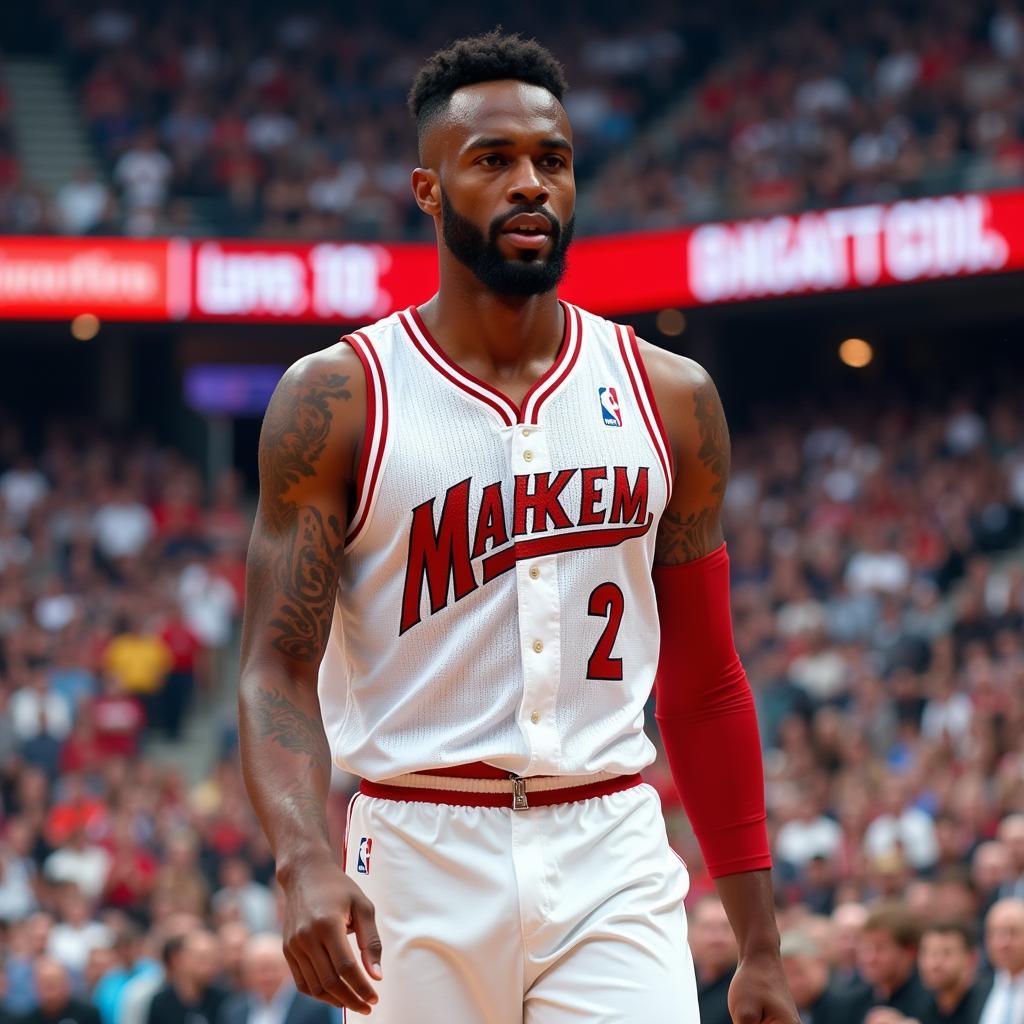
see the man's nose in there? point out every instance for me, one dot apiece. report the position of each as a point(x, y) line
point(526, 185)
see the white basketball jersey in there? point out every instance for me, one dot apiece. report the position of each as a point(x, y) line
point(496, 601)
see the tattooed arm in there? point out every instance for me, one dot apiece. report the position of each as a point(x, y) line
point(710, 728)
point(692, 411)
point(307, 457)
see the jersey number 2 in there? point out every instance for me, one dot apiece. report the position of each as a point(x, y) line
point(606, 602)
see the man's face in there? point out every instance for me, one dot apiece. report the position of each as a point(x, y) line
point(203, 957)
point(807, 977)
point(1004, 937)
point(883, 962)
point(711, 938)
point(944, 961)
point(502, 184)
point(1011, 832)
point(52, 986)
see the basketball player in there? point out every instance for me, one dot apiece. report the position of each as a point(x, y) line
point(473, 518)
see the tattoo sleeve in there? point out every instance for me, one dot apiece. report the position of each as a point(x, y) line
point(291, 585)
point(690, 526)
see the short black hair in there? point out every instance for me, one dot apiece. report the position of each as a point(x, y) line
point(485, 58)
point(958, 926)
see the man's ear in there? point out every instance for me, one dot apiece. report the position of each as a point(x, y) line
point(426, 187)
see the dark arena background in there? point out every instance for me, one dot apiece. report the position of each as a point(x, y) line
point(821, 202)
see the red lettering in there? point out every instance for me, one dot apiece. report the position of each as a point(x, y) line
point(543, 500)
point(441, 555)
point(490, 526)
point(589, 515)
point(629, 504)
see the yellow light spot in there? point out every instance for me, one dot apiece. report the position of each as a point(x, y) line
point(85, 327)
point(856, 352)
point(671, 322)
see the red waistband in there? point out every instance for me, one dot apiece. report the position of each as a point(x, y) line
point(453, 798)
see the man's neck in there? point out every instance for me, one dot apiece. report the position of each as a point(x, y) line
point(188, 991)
point(501, 333)
point(887, 991)
point(948, 999)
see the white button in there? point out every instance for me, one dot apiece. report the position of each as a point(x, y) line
point(534, 572)
point(538, 646)
point(526, 432)
point(527, 455)
point(535, 717)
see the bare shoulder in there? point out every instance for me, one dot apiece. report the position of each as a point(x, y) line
point(688, 402)
point(316, 417)
point(670, 372)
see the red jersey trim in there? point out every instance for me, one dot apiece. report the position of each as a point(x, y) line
point(645, 400)
point(558, 372)
point(507, 411)
point(454, 798)
point(375, 437)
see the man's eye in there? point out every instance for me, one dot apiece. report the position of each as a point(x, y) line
point(493, 160)
point(554, 161)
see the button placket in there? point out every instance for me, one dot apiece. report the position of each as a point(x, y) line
point(539, 619)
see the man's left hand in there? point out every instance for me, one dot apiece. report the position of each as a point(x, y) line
point(759, 994)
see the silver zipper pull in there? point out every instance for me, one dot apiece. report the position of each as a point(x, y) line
point(519, 802)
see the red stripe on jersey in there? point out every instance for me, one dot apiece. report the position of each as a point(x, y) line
point(454, 798)
point(502, 561)
point(373, 446)
point(569, 352)
point(639, 394)
point(449, 369)
point(662, 432)
point(540, 390)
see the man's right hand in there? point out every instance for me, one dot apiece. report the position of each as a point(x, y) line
point(322, 905)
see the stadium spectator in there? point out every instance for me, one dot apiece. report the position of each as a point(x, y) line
point(1004, 943)
point(902, 827)
point(82, 202)
point(76, 933)
point(807, 975)
point(18, 872)
point(269, 992)
point(1011, 834)
point(191, 994)
point(253, 902)
point(81, 862)
point(887, 961)
point(713, 946)
point(948, 964)
point(56, 1003)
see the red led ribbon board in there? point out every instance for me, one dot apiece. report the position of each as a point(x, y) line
point(356, 283)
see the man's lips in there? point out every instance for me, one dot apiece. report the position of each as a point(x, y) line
point(527, 230)
point(525, 240)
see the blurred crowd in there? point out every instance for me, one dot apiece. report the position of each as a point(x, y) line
point(878, 599)
point(835, 104)
point(292, 123)
point(252, 121)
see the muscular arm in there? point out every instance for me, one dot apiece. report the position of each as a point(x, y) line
point(307, 457)
point(705, 709)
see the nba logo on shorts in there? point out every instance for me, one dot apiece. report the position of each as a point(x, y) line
point(610, 407)
point(363, 856)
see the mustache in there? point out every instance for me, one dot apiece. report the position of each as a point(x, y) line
point(554, 224)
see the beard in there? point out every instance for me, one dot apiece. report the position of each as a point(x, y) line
point(530, 274)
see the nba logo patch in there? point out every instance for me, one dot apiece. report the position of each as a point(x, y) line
point(363, 856)
point(610, 411)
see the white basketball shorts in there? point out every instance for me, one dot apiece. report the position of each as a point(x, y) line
point(564, 914)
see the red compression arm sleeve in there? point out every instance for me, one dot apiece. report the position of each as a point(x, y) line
point(705, 711)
